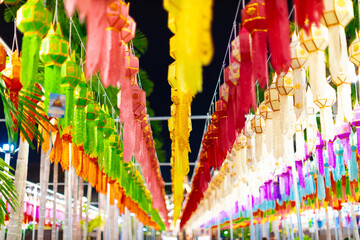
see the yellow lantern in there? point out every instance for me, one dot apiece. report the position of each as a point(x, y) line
point(285, 83)
point(173, 47)
point(272, 97)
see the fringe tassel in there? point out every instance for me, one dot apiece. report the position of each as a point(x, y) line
point(320, 187)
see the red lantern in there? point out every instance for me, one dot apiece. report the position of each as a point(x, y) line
point(11, 76)
point(254, 20)
point(2, 57)
point(128, 31)
point(131, 63)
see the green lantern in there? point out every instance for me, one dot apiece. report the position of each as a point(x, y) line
point(99, 132)
point(108, 163)
point(70, 78)
point(33, 20)
point(53, 52)
point(92, 119)
point(108, 129)
point(79, 123)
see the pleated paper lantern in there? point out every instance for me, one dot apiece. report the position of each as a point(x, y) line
point(272, 97)
point(354, 50)
point(337, 12)
point(265, 112)
point(2, 57)
point(316, 40)
point(258, 123)
point(11, 77)
point(285, 83)
point(132, 64)
point(128, 31)
point(299, 60)
point(33, 20)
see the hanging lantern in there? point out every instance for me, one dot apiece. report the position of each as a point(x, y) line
point(265, 112)
point(99, 136)
point(113, 55)
point(128, 31)
point(254, 20)
point(257, 123)
point(235, 49)
point(354, 50)
point(33, 20)
point(323, 94)
point(224, 92)
point(92, 119)
point(343, 131)
point(356, 122)
point(299, 60)
point(70, 78)
point(272, 97)
point(132, 64)
point(338, 14)
point(173, 45)
point(285, 83)
point(54, 51)
point(3, 55)
point(11, 77)
point(79, 123)
point(315, 40)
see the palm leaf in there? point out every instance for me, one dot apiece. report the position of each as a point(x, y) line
point(7, 190)
point(140, 43)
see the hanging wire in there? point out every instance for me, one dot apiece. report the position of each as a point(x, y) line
point(15, 41)
point(97, 75)
point(70, 28)
point(55, 20)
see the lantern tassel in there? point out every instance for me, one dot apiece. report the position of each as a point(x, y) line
point(30, 59)
point(259, 58)
point(331, 154)
point(278, 33)
point(353, 171)
point(320, 187)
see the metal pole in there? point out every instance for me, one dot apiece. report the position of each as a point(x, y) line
point(242, 234)
point(231, 227)
point(354, 223)
point(252, 230)
point(336, 233)
point(69, 198)
point(34, 213)
point(7, 160)
point(297, 200)
point(340, 225)
point(218, 229)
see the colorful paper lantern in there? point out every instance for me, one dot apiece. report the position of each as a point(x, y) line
point(299, 60)
point(254, 20)
point(11, 78)
point(272, 97)
point(354, 50)
point(53, 53)
point(70, 78)
point(128, 31)
point(33, 20)
point(3, 56)
point(285, 83)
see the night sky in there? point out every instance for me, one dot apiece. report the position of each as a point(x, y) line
point(151, 19)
